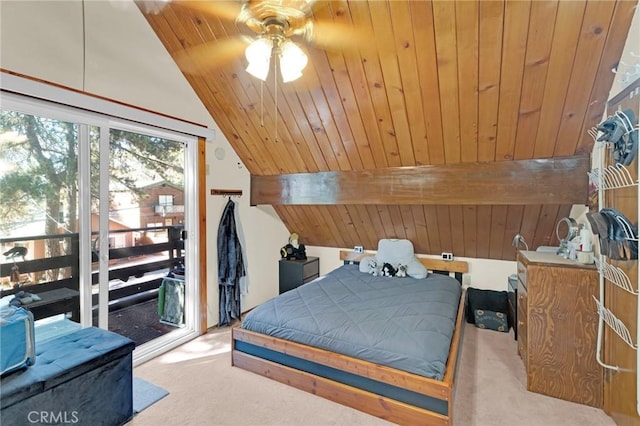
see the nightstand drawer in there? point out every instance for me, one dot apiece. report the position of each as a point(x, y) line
point(294, 273)
point(310, 270)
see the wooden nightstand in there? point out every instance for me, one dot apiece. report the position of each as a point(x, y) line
point(294, 273)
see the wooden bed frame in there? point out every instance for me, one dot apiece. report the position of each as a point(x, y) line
point(388, 393)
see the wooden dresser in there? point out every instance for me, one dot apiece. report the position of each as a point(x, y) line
point(557, 327)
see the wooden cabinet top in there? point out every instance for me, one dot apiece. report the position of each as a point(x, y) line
point(551, 259)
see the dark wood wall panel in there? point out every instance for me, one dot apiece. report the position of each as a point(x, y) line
point(513, 226)
point(420, 83)
point(498, 220)
point(458, 241)
point(483, 231)
point(462, 230)
point(470, 225)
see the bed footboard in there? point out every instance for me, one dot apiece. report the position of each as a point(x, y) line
point(384, 392)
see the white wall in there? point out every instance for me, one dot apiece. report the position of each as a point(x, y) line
point(126, 62)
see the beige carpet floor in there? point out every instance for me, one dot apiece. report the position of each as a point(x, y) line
point(206, 390)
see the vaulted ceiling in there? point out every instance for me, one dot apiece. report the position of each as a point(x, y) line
point(448, 90)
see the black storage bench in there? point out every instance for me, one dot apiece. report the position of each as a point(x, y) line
point(84, 377)
point(488, 300)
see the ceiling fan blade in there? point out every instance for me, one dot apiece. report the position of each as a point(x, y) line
point(329, 35)
point(207, 56)
point(151, 7)
point(229, 10)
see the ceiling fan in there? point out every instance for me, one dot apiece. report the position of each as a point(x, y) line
point(276, 29)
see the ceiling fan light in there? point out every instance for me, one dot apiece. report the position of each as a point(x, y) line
point(292, 61)
point(258, 53)
point(290, 74)
point(259, 69)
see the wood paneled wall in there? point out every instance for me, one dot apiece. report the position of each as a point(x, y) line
point(471, 231)
point(437, 83)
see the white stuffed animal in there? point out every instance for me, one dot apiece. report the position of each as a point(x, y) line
point(372, 266)
point(401, 270)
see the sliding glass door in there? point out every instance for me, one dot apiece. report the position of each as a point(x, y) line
point(38, 213)
point(96, 215)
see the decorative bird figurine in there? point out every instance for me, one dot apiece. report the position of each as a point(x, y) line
point(16, 251)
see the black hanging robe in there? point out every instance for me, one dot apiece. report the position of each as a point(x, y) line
point(230, 266)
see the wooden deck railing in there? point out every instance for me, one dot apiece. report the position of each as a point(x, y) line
point(125, 262)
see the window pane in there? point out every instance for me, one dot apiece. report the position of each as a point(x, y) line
point(38, 213)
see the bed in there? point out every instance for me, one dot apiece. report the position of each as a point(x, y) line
point(396, 360)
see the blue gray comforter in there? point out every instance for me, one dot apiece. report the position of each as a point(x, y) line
point(402, 323)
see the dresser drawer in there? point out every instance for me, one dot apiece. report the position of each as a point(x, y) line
point(310, 270)
point(522, 274)
point(522, 322)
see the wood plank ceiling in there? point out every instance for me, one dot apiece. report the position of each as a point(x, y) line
point(438, 83)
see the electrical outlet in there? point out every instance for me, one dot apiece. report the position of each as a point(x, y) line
point(447, 256)
point(358, 249)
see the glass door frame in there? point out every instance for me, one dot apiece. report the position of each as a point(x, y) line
point(84, 119)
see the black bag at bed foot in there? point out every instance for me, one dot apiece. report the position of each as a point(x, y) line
point(488, 309)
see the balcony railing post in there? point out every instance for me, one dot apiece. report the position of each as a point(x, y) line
point(174, 239)
point(75, 265)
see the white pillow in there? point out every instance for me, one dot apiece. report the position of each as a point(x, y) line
point(395, 252)
point(400, 252)
point(415, 269)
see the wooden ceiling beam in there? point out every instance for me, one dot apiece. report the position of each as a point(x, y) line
point(523, 182)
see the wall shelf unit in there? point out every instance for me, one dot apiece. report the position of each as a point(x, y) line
point(612, 177)
point(616, 325)
point(608, 179)
point(615, 276)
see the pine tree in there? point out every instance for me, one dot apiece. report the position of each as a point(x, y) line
point(39, 170)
